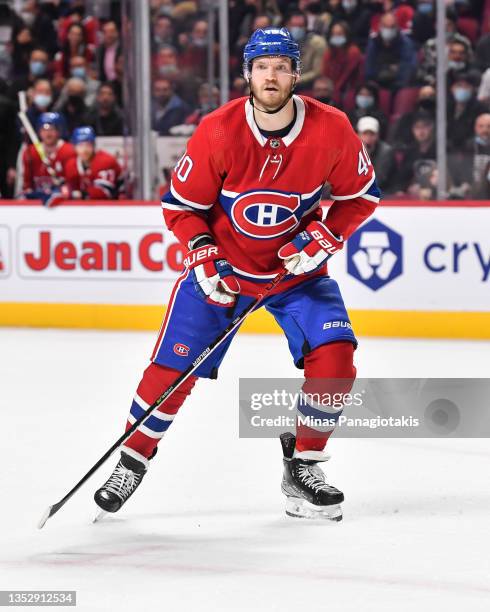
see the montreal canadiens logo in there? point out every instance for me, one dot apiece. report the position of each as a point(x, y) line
point(265, 214)
point(181, 349)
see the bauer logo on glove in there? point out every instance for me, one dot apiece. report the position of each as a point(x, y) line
point(213, 276)
point(310, 249)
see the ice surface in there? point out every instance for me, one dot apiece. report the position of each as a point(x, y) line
point(207, 530)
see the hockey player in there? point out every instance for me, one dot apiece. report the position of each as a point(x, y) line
point(91, 175)
point(38, 181)
point(245, 200)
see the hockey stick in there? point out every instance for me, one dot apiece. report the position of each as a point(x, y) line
point(177, 382)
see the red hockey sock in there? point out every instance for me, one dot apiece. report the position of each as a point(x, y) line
point(155, 380)
point(329, 372)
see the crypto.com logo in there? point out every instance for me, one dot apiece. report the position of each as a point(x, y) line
point(374, 255)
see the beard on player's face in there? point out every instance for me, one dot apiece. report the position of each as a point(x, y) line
point(271, 93)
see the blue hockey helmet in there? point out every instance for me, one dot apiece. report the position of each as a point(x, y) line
point(271, 41)
point(49, 120)
point(83, 134)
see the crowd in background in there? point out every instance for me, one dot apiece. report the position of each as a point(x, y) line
point(373, 59)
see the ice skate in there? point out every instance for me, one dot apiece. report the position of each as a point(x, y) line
point(307, 493)
point(122, 483)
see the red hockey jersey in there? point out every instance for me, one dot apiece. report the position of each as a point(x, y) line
point(99, 181)
point(36, 176)
point(254, 194)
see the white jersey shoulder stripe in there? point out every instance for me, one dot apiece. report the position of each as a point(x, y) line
point(190, 203)
point(359, 193)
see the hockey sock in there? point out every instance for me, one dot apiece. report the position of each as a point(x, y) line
point(155, 380)
point(329, 373)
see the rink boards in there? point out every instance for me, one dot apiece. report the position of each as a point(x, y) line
point(413, 269)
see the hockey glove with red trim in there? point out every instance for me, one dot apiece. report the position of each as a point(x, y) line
point(310, 249)
point(213, 276)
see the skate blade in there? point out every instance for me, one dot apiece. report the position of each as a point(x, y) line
point(301, 508)
point(99, 515)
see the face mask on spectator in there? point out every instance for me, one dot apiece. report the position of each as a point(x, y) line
point(338, 40)
point(167, 69)
point(364, 101)
point(165, 10)
point(28, 18)
point(324, 99)
point(42, 100)
point(427, 103)
point(37, 68)
point(349, 5)
point(199, 42)
point(452, 65)
point(388, 34)
point(425, 8)
point(461, 94)
point(297, 33)
point(484, 142)
point(79, 72)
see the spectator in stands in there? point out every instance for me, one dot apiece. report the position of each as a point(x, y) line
point(482, 52)
point(381, 153)
point(459, 59)
point(334, 10)
point(92, 175)
point(468, 165)
point(481, 190)
point(163, 32)
point(105, 116)
point(342, 60)
point(322, 91)
point(313, 48)
point(11, 25)
point(427, 66)
point(402, 135)
point(391, 57)
point(415, 172)
point(22, 46)
point(38, 179)
point(41, 25)
point(358, 16)
point(367, 105)
point(423, 23)
point(117, 83)
point(166, 63)
point(207, 101)
point(74, 46)
point(317, 19)
point(38, 67)
point(79, 70)
point(74, 108)
point(242, 20)
point(108, 52)
point(193, 58)
point(168, 109)
point(462, 110)
point(41, 97)
point(8, 143)
point(401, 10)
point(76, 14)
